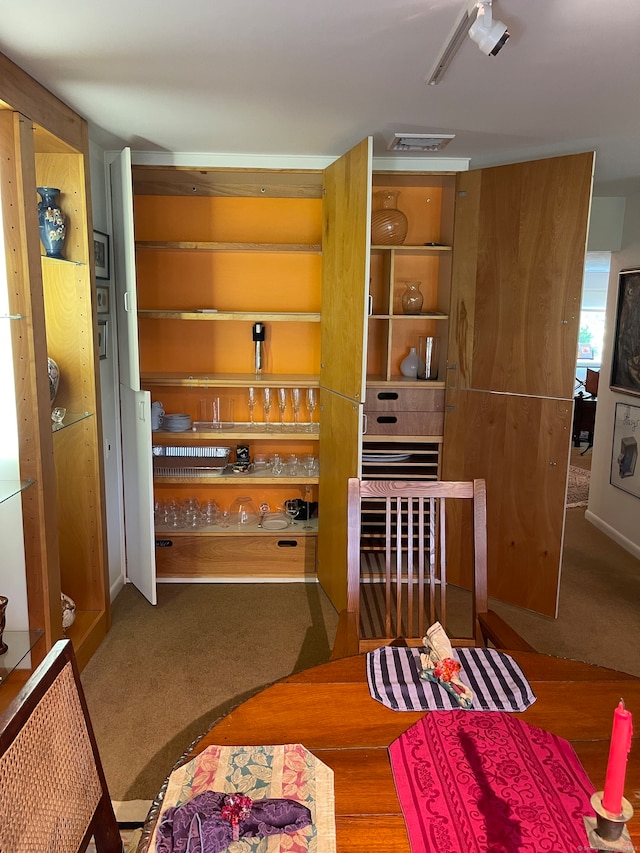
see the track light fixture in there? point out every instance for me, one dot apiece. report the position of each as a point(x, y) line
point(476, 21)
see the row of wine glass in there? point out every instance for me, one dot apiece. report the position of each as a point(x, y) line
point(291, 402)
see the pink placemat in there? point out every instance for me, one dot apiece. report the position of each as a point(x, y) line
point(474, 782)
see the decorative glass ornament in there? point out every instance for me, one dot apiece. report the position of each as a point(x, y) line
point(412, 298)
point(388, 224)
point(52, 222)
point(54, 379)
point(410, 364)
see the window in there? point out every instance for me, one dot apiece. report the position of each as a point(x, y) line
point(592, 314)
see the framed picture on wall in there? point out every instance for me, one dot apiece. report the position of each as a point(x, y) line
point(102, 299)
point(101, 254)
point(625, 468)
point(103, 334)
point(625, 369)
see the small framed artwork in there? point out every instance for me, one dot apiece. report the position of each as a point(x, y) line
point(625, 470)
point(102, 299)
point(103, 335)
point(101, 254)
point(625, 369)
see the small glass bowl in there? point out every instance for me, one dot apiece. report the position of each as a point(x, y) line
point(57, 414)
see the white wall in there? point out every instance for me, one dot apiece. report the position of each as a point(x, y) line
point(109, 384)
point(610, 509)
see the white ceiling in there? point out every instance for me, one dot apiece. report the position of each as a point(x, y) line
point(300, 77)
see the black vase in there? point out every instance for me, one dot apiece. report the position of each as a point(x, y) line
point(51, 219)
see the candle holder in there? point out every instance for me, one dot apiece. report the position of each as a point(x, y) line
point(608, 831)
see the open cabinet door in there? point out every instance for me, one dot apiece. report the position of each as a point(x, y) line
point(345, 277)
point(135, 405)
point(519, 244)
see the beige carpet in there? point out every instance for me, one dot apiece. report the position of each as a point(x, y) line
point(578, 487)
point(164, 674)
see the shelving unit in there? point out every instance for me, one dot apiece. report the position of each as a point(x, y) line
point(208, 267)
point(404, 418)
point(52, 314)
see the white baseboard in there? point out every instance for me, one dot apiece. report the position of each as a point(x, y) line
point(612, 533)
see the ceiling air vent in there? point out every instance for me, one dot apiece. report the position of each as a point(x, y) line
point(420, 141)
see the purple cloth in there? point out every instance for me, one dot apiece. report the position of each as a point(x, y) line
point(197, 826)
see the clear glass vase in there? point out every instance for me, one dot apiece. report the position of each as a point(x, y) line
point(388, 224)
point(412, 298)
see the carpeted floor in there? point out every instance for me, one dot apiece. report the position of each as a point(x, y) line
point(164, 674)
point(578, 486)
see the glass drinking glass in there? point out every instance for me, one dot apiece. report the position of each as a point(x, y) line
point(252, 402)
point(266, 404)
point(282, 403)
point(291, 508)
point(312, 402)
point(295, 403)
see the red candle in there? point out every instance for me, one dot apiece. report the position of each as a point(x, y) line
point(618, 754)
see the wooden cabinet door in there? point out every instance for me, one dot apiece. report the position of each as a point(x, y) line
point(345, 277)
point(519, 244)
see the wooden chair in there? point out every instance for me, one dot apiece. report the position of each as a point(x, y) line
point(53, 793)
point(397, 537)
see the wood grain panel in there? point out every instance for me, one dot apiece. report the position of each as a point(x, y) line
point(393, 398)
point(236, 556)
point(519, 445)
point(27, 96)
point(271, 183)
point(339, 452)
point(345, 272)
point(518, 317)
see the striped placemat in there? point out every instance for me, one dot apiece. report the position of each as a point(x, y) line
point(497, 682)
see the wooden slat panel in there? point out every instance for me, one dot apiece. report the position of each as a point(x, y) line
point(519, 446)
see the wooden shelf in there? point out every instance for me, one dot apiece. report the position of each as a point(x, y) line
point(231, 380)
point(247, 316)
point(241, 431)
point(413, 250)
point(296, 530)
point(432, 315)
point(253, 478)
point(195, 246)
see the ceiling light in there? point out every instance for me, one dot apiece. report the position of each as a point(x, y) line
point(476, 20)
point(420, 141)
point(490, 36)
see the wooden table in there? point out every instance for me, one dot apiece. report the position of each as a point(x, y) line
point(329, 710)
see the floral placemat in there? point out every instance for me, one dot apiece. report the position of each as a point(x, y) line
point(471, 782)
point(286, 771)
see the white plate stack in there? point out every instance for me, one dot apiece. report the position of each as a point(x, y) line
point(177, 423)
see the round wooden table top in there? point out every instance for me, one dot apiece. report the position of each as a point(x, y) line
point(328, 709)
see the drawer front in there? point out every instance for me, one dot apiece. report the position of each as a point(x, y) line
point(404, 423)
point(189, 556)
point(398, 399)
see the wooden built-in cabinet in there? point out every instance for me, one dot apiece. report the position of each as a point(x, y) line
point(215, 253)
point(43, 143)
point(499, 255)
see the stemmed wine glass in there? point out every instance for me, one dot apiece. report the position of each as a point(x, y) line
point(312, 402)
point(266, 404)
point(291, 508)
point(295, 403)
point(252, 401)
point(282, 403)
